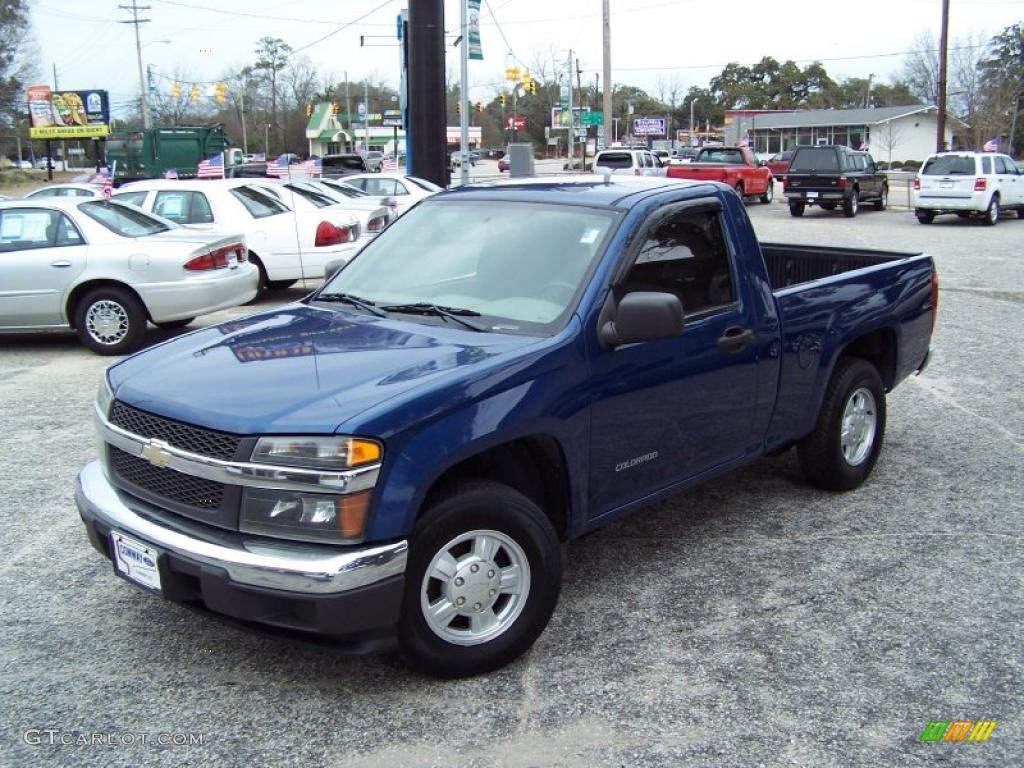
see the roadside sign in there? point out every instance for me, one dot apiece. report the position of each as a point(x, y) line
point(391, 118)
point(649, 126)
point(593, 118)
point(517, 123)
point(581, 133)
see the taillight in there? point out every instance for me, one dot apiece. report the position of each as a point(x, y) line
point(330, 234)
point(842, 182)
point(217, 259)
point(917, 183)
point(377, 224)
point(979, 184)
point(935, 296)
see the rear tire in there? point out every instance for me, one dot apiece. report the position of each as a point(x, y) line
point(992, 212)
point(851, 205)
point(882, 202)
point(459, 619)
point(739, 190)
point(924, 217)
point(841, 451)
point(796, 209)
point(110, 321)
point(769, 192)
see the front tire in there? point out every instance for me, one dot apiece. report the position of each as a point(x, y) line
point(851, 205)
point(482, 581)
point(769, 192)
point(739, 190)
point(110, 321)
point(841, 451)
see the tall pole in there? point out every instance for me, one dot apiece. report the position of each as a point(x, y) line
point(366, 116)
point(607, 95)
point(572, 123)
point(348, 110)
point(427, 90)
point(463, 96)
point(940, 137)
point(135, 8)
point(579, 88)
point(245, 139)
point(691, 122)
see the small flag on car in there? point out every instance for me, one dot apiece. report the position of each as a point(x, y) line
point(314, 166)
point(992, 145)
point(390, 164)
point(211, 168)
point(278, 168)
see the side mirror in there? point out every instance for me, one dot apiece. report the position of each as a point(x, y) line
point(643, 316)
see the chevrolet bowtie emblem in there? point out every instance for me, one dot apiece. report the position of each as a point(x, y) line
point(156, 453)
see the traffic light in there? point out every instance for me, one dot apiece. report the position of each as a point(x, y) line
point(221, 92)
point(195, 93)
point(309, 110)
point(502, 100)
point(525, 78)
point(176, 91)
point(479, 107)
point(532, 88)
point(458, 107)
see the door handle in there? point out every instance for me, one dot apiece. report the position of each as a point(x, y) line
point(60, 264)
point(735, 339)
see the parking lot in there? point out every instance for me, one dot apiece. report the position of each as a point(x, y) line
point(752, 621)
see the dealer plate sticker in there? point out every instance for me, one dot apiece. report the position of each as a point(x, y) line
point(136, 561)
point(811, 195)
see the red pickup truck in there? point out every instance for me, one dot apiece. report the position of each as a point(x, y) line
point(735, 166)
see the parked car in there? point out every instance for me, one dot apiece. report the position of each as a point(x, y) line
point(968, 184)
point(833, 176)
point(778, 163)
point(455, 159)
point(406, 190)
point(372, 214)
point(338, 166)
point(374, 161)
point(41, 163)
point(683, 155)
point(632, 162)
point(735, 167)
point(285, 245)
point(503, 164)
point(66, 190)
point(404, 451)
point(102, 268)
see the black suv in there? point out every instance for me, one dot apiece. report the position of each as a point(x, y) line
point(833, 176)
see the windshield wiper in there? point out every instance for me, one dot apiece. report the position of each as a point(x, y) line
point(426, 308)
point(355, 301)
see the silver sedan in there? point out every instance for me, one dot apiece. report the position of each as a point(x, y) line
point(105, 268)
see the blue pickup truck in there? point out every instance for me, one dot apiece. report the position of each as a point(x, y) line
point(401, 454)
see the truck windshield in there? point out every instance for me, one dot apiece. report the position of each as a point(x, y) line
point(521, 266)
point(123, 220)
point(949, 165)
point(810, 159)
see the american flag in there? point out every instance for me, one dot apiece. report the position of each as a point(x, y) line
point(278, 167)
point(314, 167)
point(992, 145)
point(864, 146)
point(390, 164)
point(211, 168)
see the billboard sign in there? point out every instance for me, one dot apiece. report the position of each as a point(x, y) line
point(649, 126)
point(67, 114)
point(517, 123)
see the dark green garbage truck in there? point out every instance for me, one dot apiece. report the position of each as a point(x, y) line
point(151, 153)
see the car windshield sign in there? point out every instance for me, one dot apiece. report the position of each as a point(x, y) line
point(123, 220)
point(513, 267)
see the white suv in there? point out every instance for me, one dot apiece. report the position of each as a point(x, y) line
point(967, 183)
point(635, 162)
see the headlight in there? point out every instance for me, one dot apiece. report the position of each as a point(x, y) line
point(330, 453)
point(304, 516)
point(104, 396)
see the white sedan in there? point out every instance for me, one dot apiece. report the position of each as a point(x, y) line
point(285, 244)
point(311, 194)
point(66, 190)
point(407, 190)
point(104, 269)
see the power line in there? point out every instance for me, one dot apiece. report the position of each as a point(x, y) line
point(266, 17)
point(136, 21)
point(344, 26)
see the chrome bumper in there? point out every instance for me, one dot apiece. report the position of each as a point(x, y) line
point(254, 561)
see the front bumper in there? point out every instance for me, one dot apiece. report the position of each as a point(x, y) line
point(294, 585)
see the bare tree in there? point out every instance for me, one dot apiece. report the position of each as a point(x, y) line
point(921, 69)
point(966, 82)
point(172, 100)
point(271, 58)
point(885, 137)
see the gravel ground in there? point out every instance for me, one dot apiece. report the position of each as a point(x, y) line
point(752, 621)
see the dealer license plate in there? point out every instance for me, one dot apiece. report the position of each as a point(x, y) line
point(946, 184)
point(811, 195)
point(136, 561)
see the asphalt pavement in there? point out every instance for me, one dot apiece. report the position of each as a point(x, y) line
point(752, 621)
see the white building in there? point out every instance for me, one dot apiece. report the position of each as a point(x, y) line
point(889, 133)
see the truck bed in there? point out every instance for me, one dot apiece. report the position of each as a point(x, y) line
point(790, 265)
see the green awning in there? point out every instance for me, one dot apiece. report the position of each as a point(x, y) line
point(332, 135)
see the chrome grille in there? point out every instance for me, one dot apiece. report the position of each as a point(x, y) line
point(185, 489)
point(205, 442)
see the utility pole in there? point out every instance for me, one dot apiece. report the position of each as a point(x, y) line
point(366, 116)
point(940, 138)
point(691, 122)
point(607, 96)
point(348, 110)
point(579, 88)
point(245, 139)
point(572, 123)
point(463, 96)
point(135, 8)
point(426, 91)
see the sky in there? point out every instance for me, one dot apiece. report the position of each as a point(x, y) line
point(685, 42)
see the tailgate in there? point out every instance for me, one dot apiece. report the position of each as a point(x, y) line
point(812, 182)
point(947, 187)
point(697, 171)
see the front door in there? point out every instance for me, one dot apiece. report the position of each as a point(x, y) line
point(669, 409)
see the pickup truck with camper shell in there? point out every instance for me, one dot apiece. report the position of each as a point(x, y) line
point(734, 166)
point(398, 456)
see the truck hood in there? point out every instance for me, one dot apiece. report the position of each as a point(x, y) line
point(298, 369)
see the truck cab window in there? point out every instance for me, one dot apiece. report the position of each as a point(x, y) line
point(686, 255)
